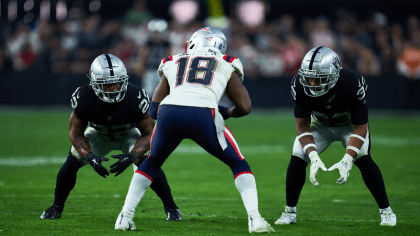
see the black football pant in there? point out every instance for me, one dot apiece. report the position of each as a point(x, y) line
point(66, 180)
point(296, 175)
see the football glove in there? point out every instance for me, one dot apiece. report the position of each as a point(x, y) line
point(344, 166)
point(316, 164)
point(223, 111)
point(95, 162)
point(125, 160)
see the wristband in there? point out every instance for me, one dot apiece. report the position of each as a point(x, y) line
point(223, 112)
point(357, 136)
point(304, 134)
point(134, 154)
point(355, 149)
point(348, 157)
point(308, 146)
point(153, 111)
point(312, 155)
point(89, 155)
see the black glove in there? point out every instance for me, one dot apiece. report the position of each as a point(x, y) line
point(125, 161)
point(95, 162)
point(223, 111)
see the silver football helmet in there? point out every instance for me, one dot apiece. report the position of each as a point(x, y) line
point(207, 38)
point(108, 69)
point(322, 64)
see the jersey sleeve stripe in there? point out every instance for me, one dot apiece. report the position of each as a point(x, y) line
point(229, 58)
point(164, 60)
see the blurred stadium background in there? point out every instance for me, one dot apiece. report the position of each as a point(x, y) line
point(47, 46)
point(46, 49)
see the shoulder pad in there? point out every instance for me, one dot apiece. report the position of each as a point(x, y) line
point(164, 60)
point(355, 83)
point(162, 63)
point(236, 64)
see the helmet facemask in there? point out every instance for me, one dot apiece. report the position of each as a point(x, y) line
point(106, 71)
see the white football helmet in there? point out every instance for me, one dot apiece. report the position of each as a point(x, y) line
point(205, 39)
point(320, 63)
point(108, 69)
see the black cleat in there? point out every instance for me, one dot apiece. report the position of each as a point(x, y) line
point(174, 214)
point(53, 212)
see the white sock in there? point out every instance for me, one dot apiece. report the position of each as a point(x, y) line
point(292, 208)
point(246, 186)
point(138, 187)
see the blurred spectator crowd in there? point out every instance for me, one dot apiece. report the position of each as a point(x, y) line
point(374, 46)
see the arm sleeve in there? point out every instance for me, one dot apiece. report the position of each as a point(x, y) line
point(359, 115)
point(302, 111)
point(359, 109)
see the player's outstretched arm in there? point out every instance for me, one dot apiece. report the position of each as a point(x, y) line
point(306, 139)
point(238, 94)
point(77, 127)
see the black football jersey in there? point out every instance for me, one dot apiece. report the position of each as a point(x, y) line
point(344, 103)
point(111, 120)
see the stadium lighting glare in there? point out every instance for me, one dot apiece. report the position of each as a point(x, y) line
point(94, 6)
point(28, 5)
point(251, 13)
point(28, 18)
point(44, 10)
point(61, 11)
point(184, 11)
point(12, 11)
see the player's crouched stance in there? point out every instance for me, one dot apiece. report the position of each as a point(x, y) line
point(187, 97)
point(109, 114)
point(339, 113)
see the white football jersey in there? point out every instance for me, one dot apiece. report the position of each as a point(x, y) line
point(198, 79)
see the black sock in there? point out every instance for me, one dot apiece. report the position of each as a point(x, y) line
point(66, 180)
point(295, 179)
point(373, 180)
point(161, 187)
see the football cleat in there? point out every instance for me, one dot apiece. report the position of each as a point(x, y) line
point(388, 218)
point(287, 217)
point(173, 214)
point(54, 212)
point(125, 222)
point(257, 224)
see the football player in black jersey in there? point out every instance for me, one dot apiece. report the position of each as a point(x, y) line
point(330, 105)
point(117, 114)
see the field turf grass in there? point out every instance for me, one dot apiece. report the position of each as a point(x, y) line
point(34, 143)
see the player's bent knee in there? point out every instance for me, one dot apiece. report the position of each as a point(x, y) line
point(240, 167)
point(72, 162)
point(149, 167)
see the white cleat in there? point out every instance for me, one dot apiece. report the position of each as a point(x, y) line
point(287, 217)
point(124, 222)
point(388, 218)
point(257, 224)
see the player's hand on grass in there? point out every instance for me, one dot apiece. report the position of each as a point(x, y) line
point(125, 160)
point(344, 166)
point(95, 162)
point(316, 164)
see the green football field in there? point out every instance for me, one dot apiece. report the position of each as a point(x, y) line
point(34, 143)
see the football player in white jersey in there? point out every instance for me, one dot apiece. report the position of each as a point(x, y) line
point(185, 104)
